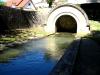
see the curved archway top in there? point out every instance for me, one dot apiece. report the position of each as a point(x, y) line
point(77, 13)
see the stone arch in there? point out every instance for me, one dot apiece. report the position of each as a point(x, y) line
point(75, 12)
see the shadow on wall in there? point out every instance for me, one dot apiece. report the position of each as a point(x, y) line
point(11, 18)
point(92, 10)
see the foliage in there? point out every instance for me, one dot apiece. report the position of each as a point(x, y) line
point(7, 39)
point(50, 2)
point(22, 34)
point(6, 55)
point(2, 3)
point(94, 25)
point(95, 31)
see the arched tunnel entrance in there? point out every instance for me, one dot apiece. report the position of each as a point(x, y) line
point(66, 23)
point(67, 18)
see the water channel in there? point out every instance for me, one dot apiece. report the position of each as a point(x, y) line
point(36, 57)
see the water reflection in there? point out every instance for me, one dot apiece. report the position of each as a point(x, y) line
point(35, 57)
point(56, 45)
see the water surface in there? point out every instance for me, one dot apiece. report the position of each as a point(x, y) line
point(36, 57)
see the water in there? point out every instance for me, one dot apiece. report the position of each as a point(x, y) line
point(37, 57)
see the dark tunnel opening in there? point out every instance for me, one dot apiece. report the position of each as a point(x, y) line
point(66, 23)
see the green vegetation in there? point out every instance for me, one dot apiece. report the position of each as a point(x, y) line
point(7, 55)
point(7, 39)
point(94, 25)
point(95, 31)
point(18, 35)
point(21, 35)
point(2, 3)
point(50, 2)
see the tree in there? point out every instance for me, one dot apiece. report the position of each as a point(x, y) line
point(50, 2)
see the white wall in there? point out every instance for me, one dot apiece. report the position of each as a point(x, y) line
point(37, 1)
point(83, 1)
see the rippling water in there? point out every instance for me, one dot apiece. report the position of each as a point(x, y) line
point(37, 57)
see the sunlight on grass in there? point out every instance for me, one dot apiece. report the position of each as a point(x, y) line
point(95, 31)
point(7, 55)
point(94, 25)
point(2, 3)
point(23, 34)
point(7, 39)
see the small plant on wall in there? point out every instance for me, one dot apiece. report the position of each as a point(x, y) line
point(50, 2)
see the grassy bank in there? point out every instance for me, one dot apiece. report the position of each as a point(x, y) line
point(21, 35)
point(15, 38)
point(7, 55)
point(94, 25)
point(95, 31)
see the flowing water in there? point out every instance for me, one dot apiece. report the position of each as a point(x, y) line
point(36, 57)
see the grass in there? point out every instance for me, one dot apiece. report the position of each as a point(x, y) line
point(22, 34)
point(94, 25)
point(95, 31)
point(17, 35)
point(25, 34)
point(7, 55)
point(7, 39)
point(2, 3)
